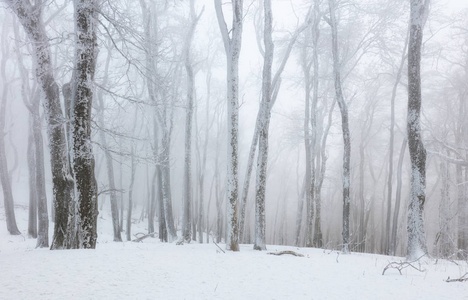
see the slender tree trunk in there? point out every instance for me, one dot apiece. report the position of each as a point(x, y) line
point(315, 198)
point(232, 46)
point(128, 230)
point(416, 245)
point(344, 126)
point(43, 216)
point(4, 176)
point(186, 218)
point(109, 161)
point(32, 220)
point(265, 112)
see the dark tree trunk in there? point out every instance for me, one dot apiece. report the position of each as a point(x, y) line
point(83, 164)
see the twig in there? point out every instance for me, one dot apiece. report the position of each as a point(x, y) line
point(286, 252)
point(218, 246)
point(461, 279)
point(403, 265)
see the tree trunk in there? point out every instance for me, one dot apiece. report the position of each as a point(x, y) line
point(128, 230)
point(344, 126)
point(416, 245)
point(83, 159)
point(4, 176)
point(265, 113)
point(32, 220)
point(187, 200)
point(232, 47)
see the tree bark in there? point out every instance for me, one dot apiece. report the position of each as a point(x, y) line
point(232, 47)
point(265, 113)
point(416, 240)
point(83, 158)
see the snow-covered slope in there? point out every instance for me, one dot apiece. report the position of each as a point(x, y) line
point(152, 270)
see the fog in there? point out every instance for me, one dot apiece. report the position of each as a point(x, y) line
point(130, 127)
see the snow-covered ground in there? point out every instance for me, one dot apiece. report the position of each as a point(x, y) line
point(153, 270)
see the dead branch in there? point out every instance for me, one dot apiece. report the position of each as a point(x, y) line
point(403, 265)
point(286, 252)
point(461, 279)
point(144, 236)
point(218, 246)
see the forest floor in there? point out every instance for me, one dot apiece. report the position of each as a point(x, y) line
point(154, 270)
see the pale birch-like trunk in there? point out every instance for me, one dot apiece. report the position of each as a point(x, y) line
point(265, 113)
point(416, 239)
point(232, 47)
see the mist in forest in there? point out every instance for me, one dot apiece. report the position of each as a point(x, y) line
point(162, 130)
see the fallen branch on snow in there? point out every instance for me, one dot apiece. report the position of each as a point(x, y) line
point(403, 265)
point(286, 252)
point(218, 246)
point(144, 236)
point(461, 279)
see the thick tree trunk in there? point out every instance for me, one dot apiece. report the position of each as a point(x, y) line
point(416, 245)
point(83, 158)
